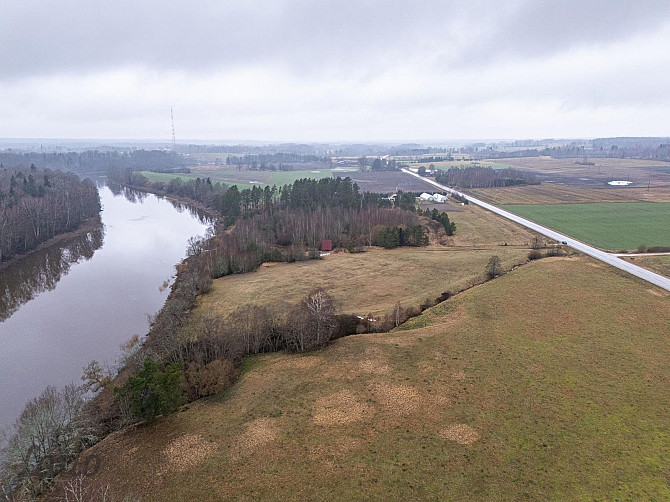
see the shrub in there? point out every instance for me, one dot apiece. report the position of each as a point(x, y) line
point(427, 303)
point(534, 255)
point(443, 297)
point(154, 391)
point(209, 379)
point(273, 256)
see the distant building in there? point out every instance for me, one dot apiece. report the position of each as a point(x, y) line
point(436, 197)
point(327, 245)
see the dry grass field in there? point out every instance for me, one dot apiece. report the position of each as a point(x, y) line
point(477, 227)
point(658, 264)
point(550, 193)
point(361, 283)
point(544, 384)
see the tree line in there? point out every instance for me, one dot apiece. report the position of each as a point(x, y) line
point(260, 159)
point(377, 164)
point(638, 148)
point(484, 177)
point(40, 204)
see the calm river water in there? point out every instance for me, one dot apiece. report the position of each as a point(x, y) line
point(80, 299)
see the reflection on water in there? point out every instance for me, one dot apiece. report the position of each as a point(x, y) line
point(134, 196)
point(41, 270)
point(80, 299)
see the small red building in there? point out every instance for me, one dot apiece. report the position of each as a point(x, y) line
point(327, 245)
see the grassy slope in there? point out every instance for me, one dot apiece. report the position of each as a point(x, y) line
point(481, 228)
point(606, 225)
point(545, 384)
point(658, 264)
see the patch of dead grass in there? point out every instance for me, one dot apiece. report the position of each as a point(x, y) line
point(257, 433)
point(461, 433)
point(398, 399)
point(187, 451)
point(297, 362)
point(341, 408)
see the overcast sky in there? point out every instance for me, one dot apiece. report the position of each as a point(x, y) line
point(323, 70)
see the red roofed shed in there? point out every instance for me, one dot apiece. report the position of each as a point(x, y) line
point(327, 245)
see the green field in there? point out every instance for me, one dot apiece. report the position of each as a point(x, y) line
point(244, 178)
point(611, 226)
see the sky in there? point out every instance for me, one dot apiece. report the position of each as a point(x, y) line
point(334, 70)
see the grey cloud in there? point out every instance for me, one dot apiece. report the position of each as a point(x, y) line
point(541, 28)
point(38, 37)
point(41, 38)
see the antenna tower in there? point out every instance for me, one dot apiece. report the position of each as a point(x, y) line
point(174, 140)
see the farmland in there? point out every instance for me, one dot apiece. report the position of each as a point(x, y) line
point(245, 178)
point(447, 164)
point(551, 193)
point(473, 400)
point(641, 173)
point(611, 226)
point(382, 182)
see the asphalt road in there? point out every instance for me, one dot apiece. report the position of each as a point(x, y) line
point(609, 258)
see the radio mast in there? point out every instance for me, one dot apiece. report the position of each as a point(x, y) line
point(174, 140)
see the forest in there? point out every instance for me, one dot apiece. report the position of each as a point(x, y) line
point(94, 161)
point(40, 204)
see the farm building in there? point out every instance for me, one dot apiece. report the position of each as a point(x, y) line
point(436, 197)
point(327, 245)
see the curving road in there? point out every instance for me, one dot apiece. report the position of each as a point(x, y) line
point(611, 259)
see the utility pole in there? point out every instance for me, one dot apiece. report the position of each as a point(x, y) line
point(174, 140)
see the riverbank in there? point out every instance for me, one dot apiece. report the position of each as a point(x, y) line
point(211, 213)
point(87, 226)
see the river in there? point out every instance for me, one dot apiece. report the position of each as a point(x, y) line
point(82, 297)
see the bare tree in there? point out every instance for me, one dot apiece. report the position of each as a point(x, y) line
point(50, 432)
point(79, 489)
point(312, 322)
point(493, 267)
point(398, 312)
